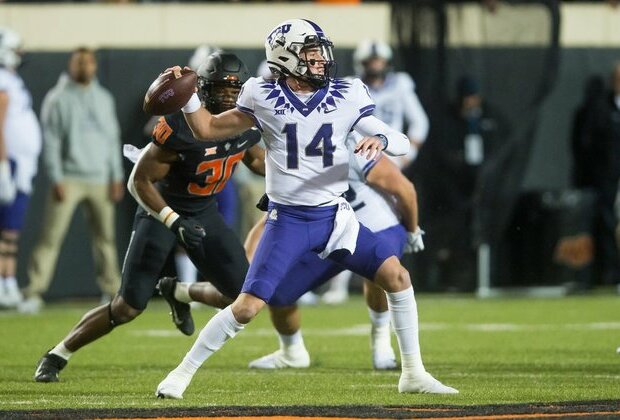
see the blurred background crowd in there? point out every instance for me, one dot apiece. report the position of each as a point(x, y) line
point(512, 111)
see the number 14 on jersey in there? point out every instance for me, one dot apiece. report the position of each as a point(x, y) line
point(320, 146)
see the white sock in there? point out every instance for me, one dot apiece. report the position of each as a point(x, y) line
point(10, 283)
point(340, 282)
point(181, 292)
point(212, 337)
point(61, 351)
point(404, 313)
point(289, 341)
point(185, 268)
point(380, 337)
point(379, 319)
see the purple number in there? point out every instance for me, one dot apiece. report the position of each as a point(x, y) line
point(292, 158)
point(321, 145)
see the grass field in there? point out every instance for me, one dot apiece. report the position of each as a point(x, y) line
point(494, 351)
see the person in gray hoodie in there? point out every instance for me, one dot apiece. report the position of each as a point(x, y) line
point(82, 155)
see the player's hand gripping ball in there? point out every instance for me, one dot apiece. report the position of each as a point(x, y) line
point(170, 92)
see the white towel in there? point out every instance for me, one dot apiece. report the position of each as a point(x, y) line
point(346, 229)
point(131, 152)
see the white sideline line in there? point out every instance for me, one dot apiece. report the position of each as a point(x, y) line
point(364, 329)
point(530, 375)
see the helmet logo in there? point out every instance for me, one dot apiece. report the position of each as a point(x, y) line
point(277, 34)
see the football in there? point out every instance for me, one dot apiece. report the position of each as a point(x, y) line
point(168, 94)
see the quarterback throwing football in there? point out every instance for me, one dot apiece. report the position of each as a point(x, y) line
point(304, 117)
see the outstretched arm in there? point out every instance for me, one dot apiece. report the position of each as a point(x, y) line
point(394, 144)
point(206, 126)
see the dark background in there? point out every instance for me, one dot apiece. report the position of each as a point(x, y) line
point(510, 78)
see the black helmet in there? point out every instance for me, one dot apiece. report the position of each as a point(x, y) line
point(219, 81)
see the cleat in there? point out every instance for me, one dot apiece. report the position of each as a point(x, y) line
point(30, 306)
point(423, 384)
point(298, 359)
point(174, 385)
point(180, 311)
point(12, 297)
point(49, 367)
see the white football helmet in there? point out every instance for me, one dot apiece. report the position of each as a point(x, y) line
point(370, 49)
point(10, 44)
point(284, 45)
point(200, 56)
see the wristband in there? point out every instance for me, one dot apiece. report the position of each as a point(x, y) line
point(384, 140)
point(167, 216)
point(192, 105)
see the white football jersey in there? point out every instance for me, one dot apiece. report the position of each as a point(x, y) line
point(374, 209)
point(22, 132)
point(397, 102)
point(307, 160)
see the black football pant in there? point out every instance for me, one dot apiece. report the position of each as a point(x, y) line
point(221, 257)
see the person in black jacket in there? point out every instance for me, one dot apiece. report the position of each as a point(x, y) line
point(596, 156)
point(470, 132)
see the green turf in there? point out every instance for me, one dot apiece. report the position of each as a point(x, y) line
point(494, 351)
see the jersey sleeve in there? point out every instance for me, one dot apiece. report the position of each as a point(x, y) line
point(167, 134)
point(364, 104)
point(162, 132)
point(405, 82)
point(245, 100)
point(414, 113)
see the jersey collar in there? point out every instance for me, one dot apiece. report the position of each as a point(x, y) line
point(304, 108)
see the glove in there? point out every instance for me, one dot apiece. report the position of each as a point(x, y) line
point(188, 231)
point(414, 241)
point(8, 190)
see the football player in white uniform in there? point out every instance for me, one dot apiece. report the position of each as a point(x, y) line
point(396, 104)
point(393, 93)
point(384, 200)
point(305, 117)
point(20, 145)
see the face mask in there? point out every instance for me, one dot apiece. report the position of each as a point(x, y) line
point(374, 74)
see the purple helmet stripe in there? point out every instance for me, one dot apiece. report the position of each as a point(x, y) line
point(316, 27)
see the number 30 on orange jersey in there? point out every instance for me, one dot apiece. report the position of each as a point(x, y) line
point(217, 171)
